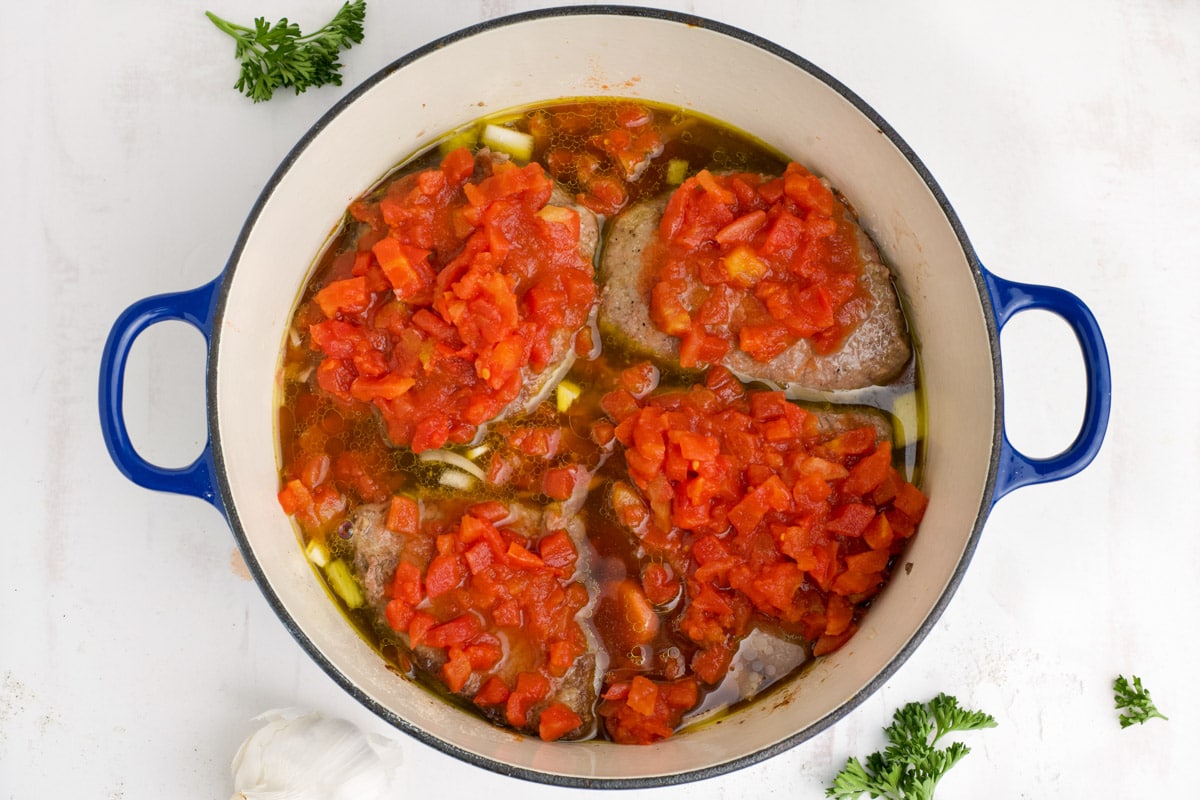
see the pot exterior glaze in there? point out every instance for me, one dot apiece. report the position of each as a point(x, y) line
point(583, 52)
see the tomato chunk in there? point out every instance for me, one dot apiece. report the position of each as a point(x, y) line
point(777, 250)
point(556, 721)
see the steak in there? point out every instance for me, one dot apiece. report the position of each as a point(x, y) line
point(875, 352)
point(538, 385)
point(377, 551)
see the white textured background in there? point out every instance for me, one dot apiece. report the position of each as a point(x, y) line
point(1065, 134)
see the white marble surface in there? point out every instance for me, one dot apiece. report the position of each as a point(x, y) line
point(1066, 133)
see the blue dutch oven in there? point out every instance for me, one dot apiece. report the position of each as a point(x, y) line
point(956, 310)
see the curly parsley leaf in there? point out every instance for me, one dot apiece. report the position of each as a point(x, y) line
point(911, 765)
point(281, 56)
point(1134, 699)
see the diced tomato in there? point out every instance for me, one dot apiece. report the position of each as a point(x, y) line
point(529, 690)
point(521, 557)
point(851, 443)
point(493, 692)
point(681, 694)
point(746, 515)
point(902, 526)
point(431, 432)
point(540, 442)
point(406, 583)
point(484, 655)
point(558, 552)
point(388, 387)
point(764, 342)
point(561, 655)
point(619, 404)
point(879, 535)
point(824, 564)
point(404, 515)
point(827, 644)
point(642, 696)
point(640, 379)
point(911, 501)
point(851, 519)
point(810, 311)
point(870, 471)
point(558, 483)
point(742, 229)
point(698, 347)
point(406, 268)
point(491, 510)
point(508, 614)
point(556, 721)
point(295, 497)
point(605, 195)
point(839, 613)
point(668, 311)
point(456, 671)
point(709, 549)
point(694, 446)
point(418, 626)
point(399, 614)
point(454, 633)
point(458, 165)
point(348, 296)
point(444, 573)
point(335, 338)
point(708, 183)
point(807, 190)
point(768, 405)
point(712, 663)
point(659, 584)
point(314, 470)
point(479, 557)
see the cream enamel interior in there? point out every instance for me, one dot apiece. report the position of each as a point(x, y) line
point(654, 58)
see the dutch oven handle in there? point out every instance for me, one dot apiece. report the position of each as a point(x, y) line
point(1016, 469)
point(194, 307)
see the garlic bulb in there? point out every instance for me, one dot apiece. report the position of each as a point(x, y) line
point(297, 755)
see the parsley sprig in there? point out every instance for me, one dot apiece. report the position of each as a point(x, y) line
point(1134, 699)
point(911, 765)
point(280, 55)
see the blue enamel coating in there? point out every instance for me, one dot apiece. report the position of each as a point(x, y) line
point(1015, 469)
point(195, 307)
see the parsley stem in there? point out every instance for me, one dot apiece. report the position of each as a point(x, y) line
point(231, 28)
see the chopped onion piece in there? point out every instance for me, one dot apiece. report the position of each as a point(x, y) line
point(905, 420)
point(478, 450)
point(506, 140)
point(676, 171)
point(565, 394)
point(467, 137)
point(454, 460)
point(317, 553)
point(549, 379)
point(456, 479)
point(343, 582)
